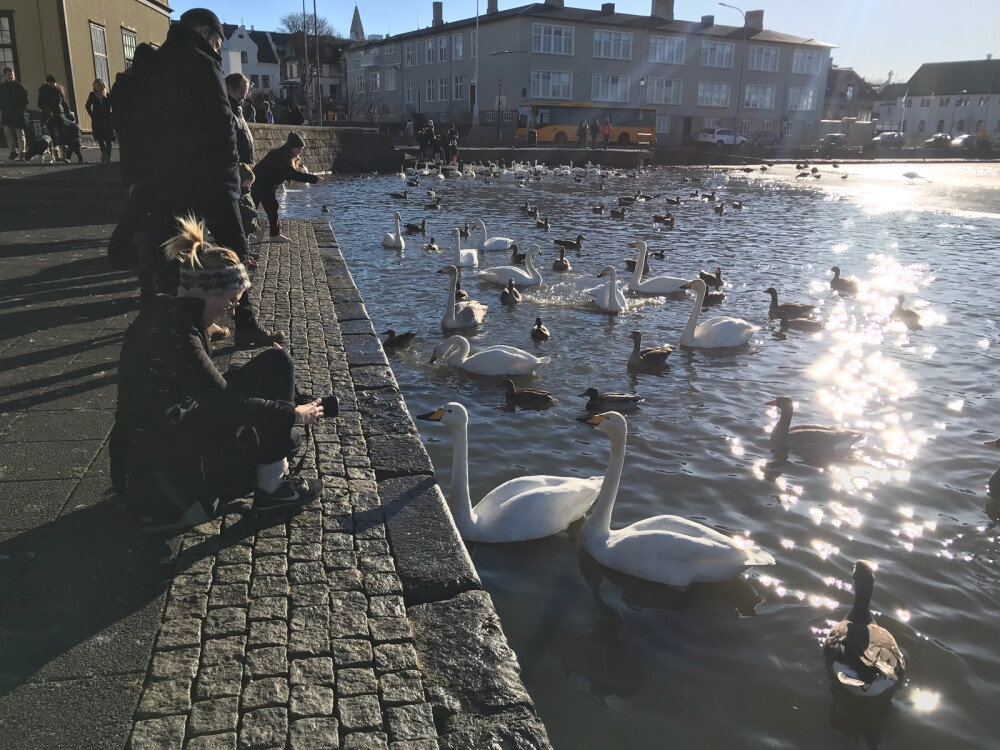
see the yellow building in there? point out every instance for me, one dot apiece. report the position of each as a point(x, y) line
point(76, 41)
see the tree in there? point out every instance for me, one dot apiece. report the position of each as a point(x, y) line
point(294, 23)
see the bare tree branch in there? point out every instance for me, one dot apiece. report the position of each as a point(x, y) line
point(293, 23)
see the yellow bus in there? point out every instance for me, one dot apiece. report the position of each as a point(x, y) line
point(557, 123)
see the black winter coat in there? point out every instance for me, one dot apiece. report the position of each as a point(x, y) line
point(193, 132)
point(274, 169)
point(13, 102)
point(100, 116)
point(244, 139)
point(175, 416)
point(51, 100)
point(130, 120)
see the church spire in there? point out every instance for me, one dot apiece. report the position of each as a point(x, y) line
point(357, 30)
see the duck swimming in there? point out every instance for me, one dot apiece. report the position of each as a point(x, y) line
point(528, 398)
point(597, 401)
point(842, 286)
point(561, 264)
point(510, 295)
point(906, 315)
point(398, 342)
point(651, 359)
point(791, 309)
point(539, 332)
point(808, 438)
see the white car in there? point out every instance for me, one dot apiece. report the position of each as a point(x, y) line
point(720, 137)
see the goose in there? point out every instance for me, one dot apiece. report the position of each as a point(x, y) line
point(398, 342)
point(598, 209)
point(799, 324)
point(401, 196)
point(842, 286)
point(465, 232)
point(713, 298)
point(861, 656)
point(808, 438)
point(801, 174)
point(420, 228)
point(718, 332)
point(649, 359)
point(394, 240)
point(906, 315)
point(539, 332)
point(433, 205)
point(674, 201)
point(708, 197)
point(667, 218)
point(460, 294)
point(713, 280)
point(433, 246)
point(630, 263)
point(431, 194)
point(527, 276)
point(738, 205)
point(597, 401)
point(516, 258)
point(720, 209)
point(526, 207)
point(325, 210)
point(460, 315)
point(560, 263)
point(656, 284)
point(542, 224)
point(843, 176)
point(493, 360)
point(608, 296)
point(463, 257)
point(617, 213)
point(793, 309)
point(510, 295)
point(493, 244)
point(627, 200)
point(528, 507)
point(413, 183)
point(911, 176)
point(576, 244)
point(664, 549)
point(531, 398)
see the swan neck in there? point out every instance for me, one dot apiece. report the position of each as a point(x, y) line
point(640, 265)
point(692, 321)
point(598, 524)
point(449, 316)
point(397, 224)
point(461, 503)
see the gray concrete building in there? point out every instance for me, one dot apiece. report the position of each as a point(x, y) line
point(695, 74)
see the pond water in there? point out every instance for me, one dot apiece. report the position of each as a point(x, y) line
point(613, 662)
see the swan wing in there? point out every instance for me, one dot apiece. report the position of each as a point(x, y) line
point(502, 274)
point(533, 507)
point(722, 331)
point(503, 360)
point(497, 243)
point(660, 285)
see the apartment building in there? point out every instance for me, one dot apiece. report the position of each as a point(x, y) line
point(694, 73)
point(258, 59)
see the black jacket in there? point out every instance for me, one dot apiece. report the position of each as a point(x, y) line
point(244, 139)
point(131, 120)
point(100, 115)
point(274, 169)
point(193, 131)
point(51, 100)
point(13, 102)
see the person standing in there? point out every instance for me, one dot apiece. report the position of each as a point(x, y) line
point(13, 103)
point(100, 118)
point(595, 132)
point(270, 172)
point(606, 132)
point(581, 134)
point(237, 87)
point(52, 102)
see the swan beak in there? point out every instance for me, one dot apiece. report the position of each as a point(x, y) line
point(775, 403)
point(601, 274)
point(592, 421)
point(433, 357)
point(432, 416)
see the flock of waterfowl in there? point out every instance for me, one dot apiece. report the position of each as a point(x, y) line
point(862, 657)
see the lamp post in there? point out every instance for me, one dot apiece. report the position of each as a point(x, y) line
point(531, 120)
point(499, 100)
point(739, 74)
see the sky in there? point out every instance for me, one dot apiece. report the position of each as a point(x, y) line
point(872, 36)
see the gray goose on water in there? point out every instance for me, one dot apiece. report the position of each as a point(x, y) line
point(397, 342)
point(713, 280)
point(560, 263)
point(650, 359)
point(420, 228)
point(808, 438)
point(527, 398)
point(906, 315)
point(861, 656)
point(539, 332)
point(799, 324)
point(597, 401)
point(842, 286)
point(793, 309)
point(570, 244)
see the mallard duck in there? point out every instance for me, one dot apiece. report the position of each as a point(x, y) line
point(674, 201)
point(799, 324)
point(861, 656)
point(842, 286)
point(531, 398)
point(570, 244)
point(713, 280)
point(808, 438)
point(738, 205)
point(906, 315)
point(598, 209)
point(398, 342)
point(597, 401)
point(651, 358)
point(510, 295)
point(539, 332)
point(560, 263)
point(792, 309)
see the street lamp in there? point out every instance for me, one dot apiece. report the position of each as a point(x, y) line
point(739, 75)
point(499, 100)
point(531, 120)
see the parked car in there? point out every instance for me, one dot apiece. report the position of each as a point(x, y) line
point(720, 137)
point(765, 138)
point(968, 140)
point(889, 140)
point(938, 140)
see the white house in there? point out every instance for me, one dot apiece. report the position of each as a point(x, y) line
point(258, 59)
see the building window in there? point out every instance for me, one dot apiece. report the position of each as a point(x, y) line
point(806, 61)
point(744, 127)
point(888, 111)
point(359, 55)
point(265, 81)
point(717, 54)
point(606, 88)
point(614, 45)
point(786, 128)
point(767, 126)
point(505, 115)
point(666, 49)
point(390, 79)
point(334, 91)
point(547, 84)
point(442, 49)
point(758, 97)
point(980, 124)
point(909, 102)
point(359, 83)
point(429, 57)
point(865, 115)
point(710, 122)
point(456, 47)
point(390, 48)
point(552, 40)
point(243, 57)
point(100, 47)
point(254, 80)
point(443, 89)
point(850, 93)
point(474, 36)
point(803, 99)
point(940, 127)
point(663, 91)
point(408, 54)
point(960, 126)
point(663, 124)
point(808, 129)
point(393, 110)
point(763, 58)
point(8, 49)
point(456, 83)
point(713, 94)
point(491, 116)
point(431, 90)
point(408, 88)
point(128, 46)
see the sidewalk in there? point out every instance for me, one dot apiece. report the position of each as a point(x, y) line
point(358, 622)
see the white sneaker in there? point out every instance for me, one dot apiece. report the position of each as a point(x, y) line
point(193, 516)
point(280, 238)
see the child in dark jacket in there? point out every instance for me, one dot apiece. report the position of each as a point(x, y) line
point(248, 212)
point(270, 172)
point(71, 138)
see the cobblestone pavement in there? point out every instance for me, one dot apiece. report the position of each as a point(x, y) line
point(356, 622)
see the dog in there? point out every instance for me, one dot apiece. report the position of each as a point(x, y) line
point(40, 147)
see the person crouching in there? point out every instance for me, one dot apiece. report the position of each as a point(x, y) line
point(187, 435)
point(270, 172)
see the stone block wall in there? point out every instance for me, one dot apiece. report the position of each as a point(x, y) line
point(347, 150)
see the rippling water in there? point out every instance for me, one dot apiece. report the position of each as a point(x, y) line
point(615, 662)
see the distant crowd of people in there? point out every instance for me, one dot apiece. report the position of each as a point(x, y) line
point(435, 146)
point(594, 130)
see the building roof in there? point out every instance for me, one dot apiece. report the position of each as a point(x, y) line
point(265, 52)
point(892, 91)
point(974, 76)
point(838, 79)
point(621, 20)
point(357, 31)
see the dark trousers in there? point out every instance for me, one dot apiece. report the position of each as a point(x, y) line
point(269, 375)
point(265, 197)
point(72, 148)
point(105, 144)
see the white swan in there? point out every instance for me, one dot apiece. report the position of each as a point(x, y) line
point(394, 241)
point(461, 315)
point(463, 257)
point(608, 296)
point(493, 360)
point(492, 244)
point(524, 508)
point(527, 276)
point(663, 549)
point(717, 332)
point(656, 284)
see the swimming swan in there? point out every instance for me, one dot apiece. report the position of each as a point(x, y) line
point(524, 508)
point(394, 240)
point(657, 284)
point(663, 549)
point(523, 277)
point(717, 332)
point(493, 360)
point(463, 257)
point(461, 315)
point(492, 244)
point(608, 296)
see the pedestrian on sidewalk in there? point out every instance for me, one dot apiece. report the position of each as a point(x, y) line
point(100, 118)
point(13, 103)
point(237, 87)
point(70, 130)
point(187, 435)
point(581, 133)
point(595, 132)
point(606, 132)
point(52, 102)
point(270, 172)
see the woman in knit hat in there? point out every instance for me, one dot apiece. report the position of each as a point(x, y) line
point(187, 435)
point(271, 171)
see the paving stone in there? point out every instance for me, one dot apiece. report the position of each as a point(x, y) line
point(305, 552)
point(267, 662)
point(390, 629)
point(413, 722)
point(344, 580)
point(427, 744)
point(263, 729)
point(384, 413)
point(387, 606)
point(237, 554)
point(365, 741)
point(225, 741)
point(307, 572)
point(183, 633)
point(398, 688)
point(190, 606)
point(223, 651)
point(225, 621)
point(309, 594)
point(359, 713)
point(228, 595)
point(334, 559)
point(179, 664)
point(314, 734)
point(348, 624)
point(270, 546)
point(356, 681)
point(351, 653)
point(218, 682)
point(311, 700)
point(310, 641)
point(372, 547)
point(267, 633)
point(158, 734)
point(211, 716)
point(394, 455)
point(380, 584)
point(270, 565)
point(395, 657)
point(312, 670)
point(268, 586)
point(264, 692)
point(164, 698)
point(239, 573)
point(269, 607)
